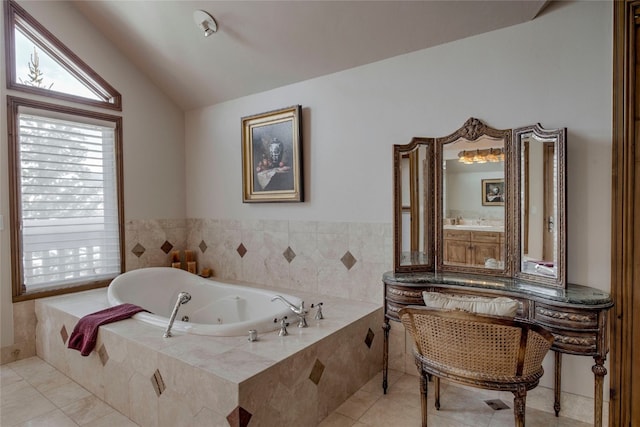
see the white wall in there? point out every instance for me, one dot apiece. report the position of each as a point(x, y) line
point(153, 134)
point(555, 70)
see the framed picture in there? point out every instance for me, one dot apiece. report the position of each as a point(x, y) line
point(272, 156)
point(493, 192)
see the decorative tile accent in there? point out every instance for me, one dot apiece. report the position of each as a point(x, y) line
point(348, 260)
point(239, 417)
point(138, 250)
point(104, 356)
point(64, 334)
point(316, 372)
point(369, 338)
point(166, 247)
point(289, 254)
point(202, 246)
point(241, 250)
point(158, 383)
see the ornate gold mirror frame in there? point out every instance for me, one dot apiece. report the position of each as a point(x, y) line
point(474, 202)
point(472, 234)
point(541, 181)
point(413, 206)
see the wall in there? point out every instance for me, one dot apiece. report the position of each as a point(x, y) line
point(153, 148)
point(463, 190)
point(555, 70)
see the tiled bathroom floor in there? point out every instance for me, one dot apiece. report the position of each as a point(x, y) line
point(35, 394)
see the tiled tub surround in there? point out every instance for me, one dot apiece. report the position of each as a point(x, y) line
point(215, 381)
point(342, 259)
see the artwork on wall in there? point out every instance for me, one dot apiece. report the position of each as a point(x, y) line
point(272, 156)
point(493, 192)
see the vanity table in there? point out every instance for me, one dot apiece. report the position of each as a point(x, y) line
point(482, 212)
point(576, 316)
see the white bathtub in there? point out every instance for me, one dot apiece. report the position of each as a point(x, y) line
point(215, 308)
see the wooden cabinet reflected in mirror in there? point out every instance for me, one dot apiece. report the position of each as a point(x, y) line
point(482, 201)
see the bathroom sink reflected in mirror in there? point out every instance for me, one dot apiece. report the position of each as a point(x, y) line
point(483, 227)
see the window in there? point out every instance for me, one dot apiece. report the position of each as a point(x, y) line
point(39, 63)
point(66, 196)
point(65, 166)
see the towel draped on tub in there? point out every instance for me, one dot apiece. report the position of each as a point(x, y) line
point(84, 335)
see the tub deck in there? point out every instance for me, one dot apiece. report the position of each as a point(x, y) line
point(216, 381)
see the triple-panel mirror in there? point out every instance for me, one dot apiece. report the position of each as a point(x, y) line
point(484, 201)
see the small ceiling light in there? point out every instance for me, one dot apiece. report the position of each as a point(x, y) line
point(205, 22)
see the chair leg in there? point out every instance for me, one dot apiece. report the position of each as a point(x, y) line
point(423, 397)
point(436, 383)
point(519, 404)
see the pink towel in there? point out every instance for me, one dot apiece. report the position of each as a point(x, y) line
point(84, 335)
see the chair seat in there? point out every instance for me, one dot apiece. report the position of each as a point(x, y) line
point(478, 379)
point(489, 352)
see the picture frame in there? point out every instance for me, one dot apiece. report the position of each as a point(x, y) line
point(272, 156)
point(493, 192)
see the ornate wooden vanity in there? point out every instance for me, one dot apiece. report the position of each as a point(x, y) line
point(481, 212)
point(576, 315)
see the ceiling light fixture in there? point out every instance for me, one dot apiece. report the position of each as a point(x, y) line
point(205, 22)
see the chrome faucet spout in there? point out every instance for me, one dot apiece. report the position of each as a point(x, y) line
point(183, 298)
point(301, 312)
point(296, 310)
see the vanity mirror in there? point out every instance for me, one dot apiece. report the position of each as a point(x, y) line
point(482, 201)
point(414, 201)
point(540, 169)
point(472, 213)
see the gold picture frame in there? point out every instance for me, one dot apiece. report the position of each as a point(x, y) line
point(493, 192)
point(272, 156)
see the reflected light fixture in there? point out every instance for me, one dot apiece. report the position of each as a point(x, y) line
point(481, 156)
point(205, 22)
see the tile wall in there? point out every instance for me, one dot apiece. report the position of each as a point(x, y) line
point(339, 259)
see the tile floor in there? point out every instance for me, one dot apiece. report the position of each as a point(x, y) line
point(35, 394)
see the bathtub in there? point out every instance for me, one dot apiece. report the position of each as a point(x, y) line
point(215, 308)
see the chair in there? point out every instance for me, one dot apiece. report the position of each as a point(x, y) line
point(489, 352)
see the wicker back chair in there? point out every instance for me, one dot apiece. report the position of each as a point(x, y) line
point(489, 352)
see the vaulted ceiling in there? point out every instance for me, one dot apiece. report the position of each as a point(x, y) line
point(261, 45)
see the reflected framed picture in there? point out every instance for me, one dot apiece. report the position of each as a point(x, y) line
point(493, 192)
point(272, 156)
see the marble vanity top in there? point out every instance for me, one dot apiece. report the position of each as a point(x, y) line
point(474, 227)
point(572, 294)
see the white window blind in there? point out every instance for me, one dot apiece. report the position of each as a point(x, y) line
point(69, 208)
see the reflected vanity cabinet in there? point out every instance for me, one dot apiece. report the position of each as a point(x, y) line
point(472, 247)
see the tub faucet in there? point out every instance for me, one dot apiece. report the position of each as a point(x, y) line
point(183, 298)
point(283, 326)
point(318, 315)
point(301, 312)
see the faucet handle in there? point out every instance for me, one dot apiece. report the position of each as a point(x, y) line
point(318, 315)
point(283, 326)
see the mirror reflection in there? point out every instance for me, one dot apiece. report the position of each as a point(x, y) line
point(541, 171)
point(415, 203)
point(473, 203)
